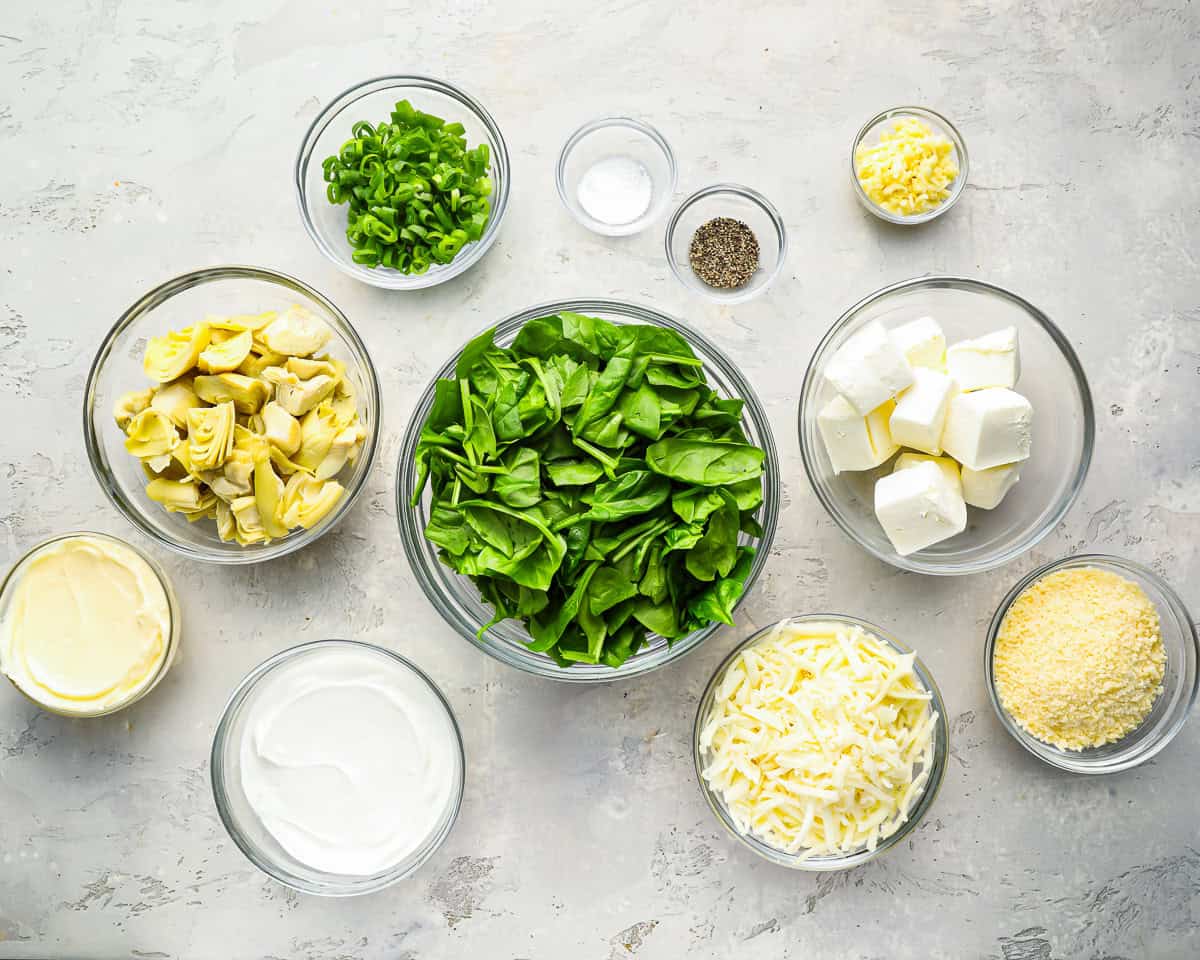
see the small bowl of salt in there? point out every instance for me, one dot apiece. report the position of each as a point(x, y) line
point(616, 175)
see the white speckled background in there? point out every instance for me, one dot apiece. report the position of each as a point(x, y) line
point(144, 138)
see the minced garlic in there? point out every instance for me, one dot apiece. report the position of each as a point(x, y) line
point(910, 169)
point(1079, 658)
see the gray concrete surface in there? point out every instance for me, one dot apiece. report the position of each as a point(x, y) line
point(141, 139)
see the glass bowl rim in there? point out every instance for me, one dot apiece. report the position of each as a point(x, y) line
point(933, 784)
point(174, 633)
point(412, 537)
point(739, 295)
point(960, 181)
point(946, 281)
point(501, 173)
point(1073, 762)
point(653, 212)
point(217, 778)
point(155, 298)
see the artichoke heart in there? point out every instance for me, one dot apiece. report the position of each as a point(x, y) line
point(250, 443)
point(226, 525)
point(343, 448)
point(256, 363)
point(175, 400)
point(178, 496)
point(268, 497)
point(280, 428)
point(151, 434)
point(318, 428)
point(239, 468)
point(241, 321)
point(283, 466)
point(210, 435)
point(248, 527)
point(227, 355)
point(306, 368)
point(306, 500)
point(295, 332)
point(169, 358)
point(246, 393)
point(129, 405)
point(295, 395)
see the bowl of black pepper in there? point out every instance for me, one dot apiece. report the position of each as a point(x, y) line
point(726, 242)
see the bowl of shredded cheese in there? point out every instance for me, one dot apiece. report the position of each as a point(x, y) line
point(820, 742)
point(908, 165)
point(1091, 663)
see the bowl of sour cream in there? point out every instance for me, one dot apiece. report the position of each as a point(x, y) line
point(337, 767)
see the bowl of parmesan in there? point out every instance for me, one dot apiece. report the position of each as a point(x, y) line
point(820, 742)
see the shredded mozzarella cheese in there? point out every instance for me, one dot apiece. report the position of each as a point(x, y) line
point(909, 170)
point(819, 739)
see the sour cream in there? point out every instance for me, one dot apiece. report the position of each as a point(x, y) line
point(85, 625)
point(349, 758)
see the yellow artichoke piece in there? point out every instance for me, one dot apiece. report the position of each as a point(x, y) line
point(318, 428)
point(295, 332)
point(246, 393)
point(151, 434)
point(298, 396)
point(227, 355)
point(256, 363)
point(268, 497)
point(169, 358)
point(306, 368)
point(283, 466)
point(210, 435)
point(175, 400)
point(252, 444)
point(281, 429)
point(339, 453)
point(178, 496)
point(248, 527)
point(306, 500)
point(239, 471)
point(226, 525)
point(129, 405)
point(207, 510)
point(242, 321)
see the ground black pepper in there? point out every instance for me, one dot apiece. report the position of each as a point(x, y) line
point(724, 253)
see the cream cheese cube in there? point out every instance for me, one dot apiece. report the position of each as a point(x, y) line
point(922, 343)
point(986, 488)
point(988, 428)
point(855, 442)
point(989, 361)
point(920, 414)
point(868, 369)
point(948, 466)
point(919, 507)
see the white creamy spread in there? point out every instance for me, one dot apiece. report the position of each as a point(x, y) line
point(349, 759)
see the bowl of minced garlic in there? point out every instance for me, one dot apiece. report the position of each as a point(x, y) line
point(1091, 663)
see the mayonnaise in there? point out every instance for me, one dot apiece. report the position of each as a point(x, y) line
point(86, 626)
point(349, 758)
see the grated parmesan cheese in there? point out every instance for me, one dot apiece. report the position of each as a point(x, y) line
point(1079, 658)
point(819, 739)
point(910, 169)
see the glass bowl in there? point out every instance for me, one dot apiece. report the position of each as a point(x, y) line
point(740, 203)
point(13, 576)
point(616, 137)
point(456, 597)
point(1063, 425)
point(373, 100)
point(251, 835)
point(118, 368)
point(869, 133)
point(824, 864)
point(1180, 678)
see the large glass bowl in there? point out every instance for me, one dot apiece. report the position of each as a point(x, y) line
point(1063, 425)
point(117, 369)
point(1180, 678)
point(456, 597)
point(933, 782)
point(373, 100)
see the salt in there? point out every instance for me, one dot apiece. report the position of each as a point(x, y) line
point(615, 190)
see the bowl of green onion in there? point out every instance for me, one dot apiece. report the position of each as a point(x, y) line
point(403, 181)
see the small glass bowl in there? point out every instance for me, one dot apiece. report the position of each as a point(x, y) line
point(12, 578)
point(373, 100)
point(1063, 425)
point(455, 596)
point(825, 864)
point(740, 203)
point(939, 125)
point(251, 835)
point(1180, 678)
point(117, 369)
point(616, 137)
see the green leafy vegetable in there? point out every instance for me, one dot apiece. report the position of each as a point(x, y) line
point(592, 485)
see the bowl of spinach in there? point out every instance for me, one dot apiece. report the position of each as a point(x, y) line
point(588, 490)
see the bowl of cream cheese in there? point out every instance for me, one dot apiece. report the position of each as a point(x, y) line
point(337, 767)
point(88, 625)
